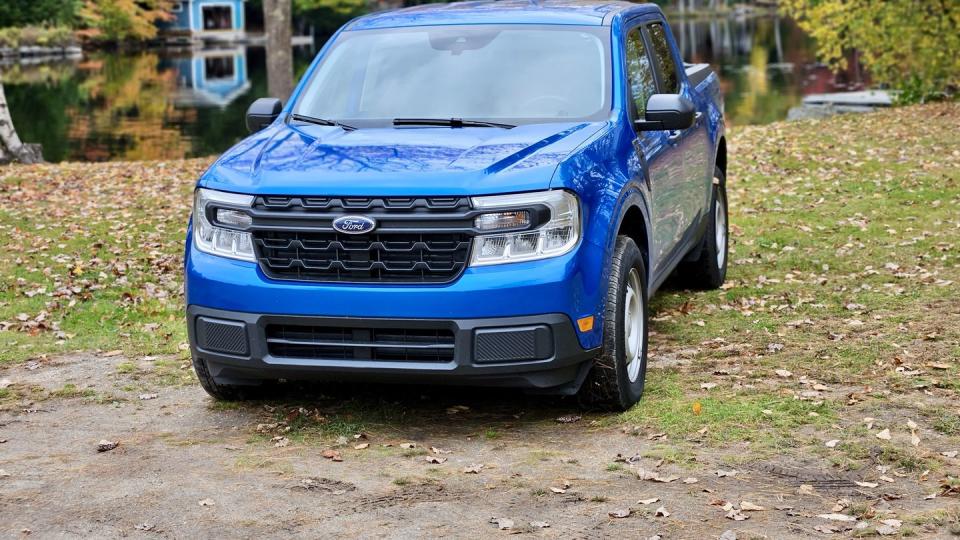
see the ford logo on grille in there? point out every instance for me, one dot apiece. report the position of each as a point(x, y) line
point(354, 224)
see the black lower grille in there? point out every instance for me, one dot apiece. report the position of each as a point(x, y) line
point(389, 257)
point(344, 343)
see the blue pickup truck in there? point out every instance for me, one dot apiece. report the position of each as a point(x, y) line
point(479, 193)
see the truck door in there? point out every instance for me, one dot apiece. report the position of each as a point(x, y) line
point(664, 161)
point(693, 183)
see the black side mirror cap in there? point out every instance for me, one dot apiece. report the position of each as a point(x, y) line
point(667, 112)
point(262, 113)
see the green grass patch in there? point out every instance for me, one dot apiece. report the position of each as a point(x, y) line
point(669, 408)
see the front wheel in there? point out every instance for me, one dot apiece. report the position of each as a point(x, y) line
point(617, 378)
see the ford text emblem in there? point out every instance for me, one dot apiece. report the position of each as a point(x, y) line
point(354, 224)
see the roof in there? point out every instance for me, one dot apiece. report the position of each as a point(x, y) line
point(577, 12)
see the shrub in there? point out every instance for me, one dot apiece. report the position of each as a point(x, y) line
point(53, 36)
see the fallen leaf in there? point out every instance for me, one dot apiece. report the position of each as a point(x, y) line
point(280, 442)
point(436, 450)
point(145, 397)
point(332, 455)
point(736, 515)
point(408, 445)
point(690, 480)
point(558, 490)
point(569, 418)
point(206, 502)
point(837, 517)
point(867, 484)
point(832, 443)
point(722, 473)
point(473, 469)
point(748, 506)
point(697, 408)
point(539, 524)
point(884, 435)
point(783, 373)
point(361, 446)
point(648, 501)
point(436, 460)
point(105, 445)
point(708, 385)
point(504, 524)
point(620, 513)
point(950, 454)
point(661, 512)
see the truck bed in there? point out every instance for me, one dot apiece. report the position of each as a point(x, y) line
point(697, 73)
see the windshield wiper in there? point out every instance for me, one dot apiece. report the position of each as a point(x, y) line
point(451, 122)
point(321, 121)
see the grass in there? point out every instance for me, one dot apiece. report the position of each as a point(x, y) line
point(845, 250)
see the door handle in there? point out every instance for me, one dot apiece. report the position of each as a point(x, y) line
point(674, 136)
point(696, 118)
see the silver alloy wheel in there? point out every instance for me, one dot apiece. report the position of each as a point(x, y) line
point(633, 324)
point(721, 229)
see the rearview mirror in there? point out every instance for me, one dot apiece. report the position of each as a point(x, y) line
point(262, 113)
point(667, 112)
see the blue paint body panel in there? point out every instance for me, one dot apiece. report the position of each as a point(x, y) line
point(611, 168)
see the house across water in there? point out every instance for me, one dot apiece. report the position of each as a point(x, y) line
point(209, 20)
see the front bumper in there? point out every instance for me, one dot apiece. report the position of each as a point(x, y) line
point(539, 352)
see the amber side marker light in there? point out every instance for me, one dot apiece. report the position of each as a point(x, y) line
point(585, 323)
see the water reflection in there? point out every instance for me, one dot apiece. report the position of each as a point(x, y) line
point(766, 64)
point(164, 104)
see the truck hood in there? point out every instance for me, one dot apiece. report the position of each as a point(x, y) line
point(322, 160)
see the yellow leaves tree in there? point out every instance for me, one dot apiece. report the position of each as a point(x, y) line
point(121, 20)
point(911, 45)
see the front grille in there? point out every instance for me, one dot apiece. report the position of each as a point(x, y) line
point(418, 240)
point(343, 343)
point(362, 258)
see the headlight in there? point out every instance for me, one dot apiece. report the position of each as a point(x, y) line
point(558, 233)
point(226, 209)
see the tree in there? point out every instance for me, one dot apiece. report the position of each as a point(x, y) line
point(119, 20)
point(34, 12)
point(11, 148)
point(912, 46)
point(277, 21)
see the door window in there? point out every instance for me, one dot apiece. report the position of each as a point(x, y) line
point(639, 72)
point(668, 69)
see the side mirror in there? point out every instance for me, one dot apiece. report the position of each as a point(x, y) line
point(667, 112)
point(262, 113)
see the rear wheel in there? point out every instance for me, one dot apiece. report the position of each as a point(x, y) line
point(709, 270)
point(617, 378)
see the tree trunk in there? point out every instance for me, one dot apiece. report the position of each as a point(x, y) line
point(277, 22)
point(11, 148)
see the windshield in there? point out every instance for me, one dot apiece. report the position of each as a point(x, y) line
point(508, 73)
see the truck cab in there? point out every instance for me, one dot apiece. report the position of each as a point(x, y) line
point(480, 193)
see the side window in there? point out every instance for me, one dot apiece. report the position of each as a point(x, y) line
point(639, 72)
point(661, 49)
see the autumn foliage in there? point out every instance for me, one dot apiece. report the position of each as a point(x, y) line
point(122, 20)
point(911, 46)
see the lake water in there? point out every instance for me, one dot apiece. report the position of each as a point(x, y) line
point(167, 104)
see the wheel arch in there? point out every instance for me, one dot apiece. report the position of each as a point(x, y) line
point(721, 159)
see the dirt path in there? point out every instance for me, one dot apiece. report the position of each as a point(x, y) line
point(186, 467)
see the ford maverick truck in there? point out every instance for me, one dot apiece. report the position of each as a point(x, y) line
point(479, 193)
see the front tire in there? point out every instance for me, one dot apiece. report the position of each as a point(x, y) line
point(221, 392)
point(617, 378)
